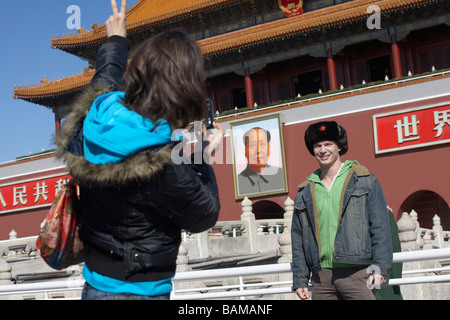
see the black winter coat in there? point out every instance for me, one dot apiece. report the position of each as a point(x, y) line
point(133, 211)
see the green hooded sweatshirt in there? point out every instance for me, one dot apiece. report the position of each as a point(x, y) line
point(328, 206)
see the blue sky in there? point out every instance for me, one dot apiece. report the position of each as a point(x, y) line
point(26, 56)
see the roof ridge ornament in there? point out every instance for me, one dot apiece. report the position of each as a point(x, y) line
point(291, 8)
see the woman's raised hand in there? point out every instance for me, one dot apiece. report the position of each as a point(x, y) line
point(116, 25)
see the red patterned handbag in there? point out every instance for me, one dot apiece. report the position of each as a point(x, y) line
point(58, 242)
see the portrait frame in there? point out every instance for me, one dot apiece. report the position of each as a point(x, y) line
point(273, 180)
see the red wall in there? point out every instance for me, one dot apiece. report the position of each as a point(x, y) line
point(400, 173)
point(25, 222)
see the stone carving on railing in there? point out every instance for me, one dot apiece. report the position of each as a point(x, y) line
point(407, 232)
point(285, 239)
point(17, 249)
point(436, 235)
point(5, 271)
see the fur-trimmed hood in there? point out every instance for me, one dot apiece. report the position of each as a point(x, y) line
point(137, 167)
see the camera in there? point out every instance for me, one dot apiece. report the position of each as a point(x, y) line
point(209, 121)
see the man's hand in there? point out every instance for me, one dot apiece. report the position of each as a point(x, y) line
point(375, 281)
point(116, 25)
point(303, 293)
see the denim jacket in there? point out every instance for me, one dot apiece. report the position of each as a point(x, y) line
point(363, 235)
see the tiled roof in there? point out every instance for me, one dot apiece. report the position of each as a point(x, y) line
point(49, 88)
point(148, 12)
point(311, 20)
point(143, 13)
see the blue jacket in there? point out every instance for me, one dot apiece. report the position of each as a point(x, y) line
point(363, 236)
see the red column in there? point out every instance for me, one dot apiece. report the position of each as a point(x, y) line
point(331, 70)
point(396, 57)
point(249, 89)
point(57, 122)
point(410, 59)
point(347, 72)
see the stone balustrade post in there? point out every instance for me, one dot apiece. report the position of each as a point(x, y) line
point(183, 266)
point(407, 232)
point(5, 271)
point(202, 243)
point(183, 259)
point(408, 235)
point(427, 245)
point(285, 240)
point(438, 232)
point(414, 216)
point(289, 211)
point(13, 235)
point(248, 217)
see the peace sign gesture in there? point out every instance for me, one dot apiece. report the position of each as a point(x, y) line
point(116, 25)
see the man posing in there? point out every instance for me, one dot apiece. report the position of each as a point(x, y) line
point(340, 226)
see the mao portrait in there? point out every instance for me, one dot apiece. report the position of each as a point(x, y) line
point(258, 157)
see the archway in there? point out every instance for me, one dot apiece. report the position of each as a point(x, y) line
point(427, 204)
point(266, 209)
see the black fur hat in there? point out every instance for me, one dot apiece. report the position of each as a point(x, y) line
point(326, 130)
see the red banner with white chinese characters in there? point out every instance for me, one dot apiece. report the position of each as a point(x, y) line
point(28, 194)
point(412, 128)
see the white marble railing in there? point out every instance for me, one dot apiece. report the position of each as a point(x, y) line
point(436, 236)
